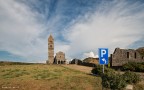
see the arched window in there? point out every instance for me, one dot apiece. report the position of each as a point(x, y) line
point(59, 62)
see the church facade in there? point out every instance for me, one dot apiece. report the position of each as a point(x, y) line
point(60, 56)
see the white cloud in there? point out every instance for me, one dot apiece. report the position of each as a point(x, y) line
point(19, 31)
point(113, 24)
point(117, 24)
point(60, 46)
point(90, 54)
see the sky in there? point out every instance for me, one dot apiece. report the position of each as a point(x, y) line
point(79, 27)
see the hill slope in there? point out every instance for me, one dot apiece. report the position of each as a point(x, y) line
point(46, 77)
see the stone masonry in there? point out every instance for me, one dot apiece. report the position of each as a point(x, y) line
point(50, 50)
point(122, 56)
point(60, 58)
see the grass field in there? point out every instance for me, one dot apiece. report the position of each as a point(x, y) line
point(46, 77)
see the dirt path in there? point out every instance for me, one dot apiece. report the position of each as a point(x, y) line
point(80, 68)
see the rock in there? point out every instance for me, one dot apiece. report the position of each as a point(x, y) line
point(129, 87)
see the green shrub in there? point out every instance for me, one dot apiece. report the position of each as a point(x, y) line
point(97, 70)
point(129, 66)
point(131, 77)
point(113, 81)
point(133, 66)
point(140, 68)
point(142, 63)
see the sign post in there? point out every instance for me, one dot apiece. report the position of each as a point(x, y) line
point(103, 57)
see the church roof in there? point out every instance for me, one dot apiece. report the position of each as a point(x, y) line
point(60, 52)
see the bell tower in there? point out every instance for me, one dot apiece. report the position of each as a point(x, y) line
point(50, 50)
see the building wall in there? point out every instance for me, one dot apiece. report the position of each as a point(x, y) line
point(122, 56)
point(60, 58)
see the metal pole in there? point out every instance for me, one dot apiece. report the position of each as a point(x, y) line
point(103, 69)
point(102, 76)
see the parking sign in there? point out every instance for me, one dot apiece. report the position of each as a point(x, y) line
point(103, 55)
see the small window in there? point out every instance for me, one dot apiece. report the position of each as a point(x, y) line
point(127, 54)
point(135, 55)
point(51, 46)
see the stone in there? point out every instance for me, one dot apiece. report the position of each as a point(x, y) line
point(129, 87)
point(123, 56)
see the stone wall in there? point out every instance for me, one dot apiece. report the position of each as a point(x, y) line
point(60, 58)
point(122, 56)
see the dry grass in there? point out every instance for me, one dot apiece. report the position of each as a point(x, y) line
point(139, 86)
point(79, 67)
point(46, 77)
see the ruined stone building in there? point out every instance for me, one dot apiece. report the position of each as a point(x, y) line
point(60, 56)
point(123, 56)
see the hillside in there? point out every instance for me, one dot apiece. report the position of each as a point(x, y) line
point(91, 60)
point(46, 77)
point(2, 63)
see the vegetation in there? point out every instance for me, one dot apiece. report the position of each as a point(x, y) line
point(139, 86)
point(2, 63)
point(131, 77)
point(113, 80)
point(46, 77)
point(98, 70)
point(133, 66)
point(57, 77)
point(141, 50)
point(9, 73)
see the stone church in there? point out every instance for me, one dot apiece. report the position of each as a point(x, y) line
point(60, 56)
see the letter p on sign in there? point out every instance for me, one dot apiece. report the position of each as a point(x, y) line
point(103, 52)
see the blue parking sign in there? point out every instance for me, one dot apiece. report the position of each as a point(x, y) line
point(103, 55)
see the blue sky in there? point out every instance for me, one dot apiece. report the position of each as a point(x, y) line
point(79, 27)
